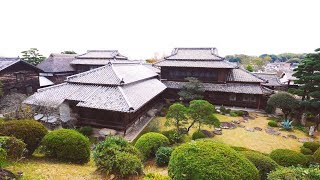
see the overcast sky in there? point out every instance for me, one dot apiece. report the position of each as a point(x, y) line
point(141, 28)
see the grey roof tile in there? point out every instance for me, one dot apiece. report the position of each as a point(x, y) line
point(101, 54)
point(241, 75)
point(57, 63)
point(271, 79)
point(6, 62)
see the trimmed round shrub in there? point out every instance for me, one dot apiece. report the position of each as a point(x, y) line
point(86, 130)
point(273, 124)
point(205, 159)
point(263, 163)
point(316, 156)
point(295, 173)
point(306, 151)
point(270, 109)
point(233, 114)
point(163, 155)
point(286, 157)
point(30, 132)
point(67, 145)
point(173, 136)
point(3, 157)
point(238, 148)
point(155, 176)
point(149, 143)
point(115, 155)
point(198, 135)
point(313, 146)
point(14, 147)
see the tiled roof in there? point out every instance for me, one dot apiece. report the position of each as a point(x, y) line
point(194, 54)
point(101, 54)
point(113, 74)
point(271, 79)
point(100, 89)
point(102, 62)
point(228, 87)
point(6, 62)
point(195, 57)
point(241, 75)
point(57, 63)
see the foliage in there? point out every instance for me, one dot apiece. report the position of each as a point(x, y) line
point(163, 155)
point(68, 145)
point(192, 90)
point(86, 130)
point(172, 136)
point(201, 112)
point(285, 101)
point(155, 176)
point(153, 126)
point(306, 151)
point(3, 157)
point(249, 68)
point(313, 146)
point(32, 56)
point(273, 124)
point(233, 114)
point(177, 115)
point(13, 146)
point(198, 135)
point(263, 163)
point(286, 157)
point(68, 52)
point(295, 173)
point(222, 109)
point(30, 132)
point(316, 156)
point(110, 157)
point(270, 109)
point(205, 159)
point(149, 143)
point(238, 148)
point(286, 124)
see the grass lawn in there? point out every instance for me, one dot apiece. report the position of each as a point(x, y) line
point(258, 140)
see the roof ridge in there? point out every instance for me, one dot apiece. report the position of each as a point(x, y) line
point(125, 98)
point(50, 87)
point(85, 73)
point(251, 74)
point(117, 73)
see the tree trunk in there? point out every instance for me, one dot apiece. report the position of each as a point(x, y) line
point(191, 125)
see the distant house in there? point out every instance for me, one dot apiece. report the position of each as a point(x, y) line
point(224, 82)
point(112, 96)
point(56, 68)
point(272, 81)
point(18, 76)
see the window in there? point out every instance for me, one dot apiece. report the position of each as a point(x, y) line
point(233, 97)
point(29, 90)
point(20, 77)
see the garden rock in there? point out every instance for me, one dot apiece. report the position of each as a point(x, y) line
point(257, 128)
point(303, 140)
point(217, 132)
point(285, 136)
point(217, 129)
point(249, 129)
point(236, 121)
point(292, 136)
point(241, 125)
point(272, 131)
point(227, 125)
point(207, 133)
point(106, 132)
point(152, 112)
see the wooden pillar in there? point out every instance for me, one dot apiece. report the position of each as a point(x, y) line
point(259, 101)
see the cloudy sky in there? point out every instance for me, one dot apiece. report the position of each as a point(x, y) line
point(142, 28)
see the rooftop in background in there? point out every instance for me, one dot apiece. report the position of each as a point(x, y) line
point(57, 63)
point(102, 54)
point(270, 78)
point(195, 57)
point(6, 62)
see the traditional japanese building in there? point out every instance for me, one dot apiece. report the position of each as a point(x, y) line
point(224, 82)
point(271, 80)
point(112, 96)
point(18, 76)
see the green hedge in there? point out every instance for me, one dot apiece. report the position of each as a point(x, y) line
point(149, 143)
point(163, 155)
point(115, 155)
point(30, 132)
point(67, 145)
point(295, 173)
point(316, 156)
point(205, 159)
point(313, 146)
point(273, 124)
point(263, 163)
point(286, 157)
point(198, 135)
point(3, 157)
point(14, 147)
point(306, 151)
point(86, 130)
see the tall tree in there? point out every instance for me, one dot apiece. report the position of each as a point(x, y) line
point(249, 68)
point(68, 52)
point(177, 115)
point(192, 90)
point(201, 112)
point(32, 56)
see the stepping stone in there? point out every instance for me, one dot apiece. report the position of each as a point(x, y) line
point(217, 129)
point(236, 121)
point(249, 129)
point(241, 125)
point(272, 131)
point(257, 128)
point(303, 140)
point(284, 136)
point(227, 125)
point(292, 136)
point(217, 132)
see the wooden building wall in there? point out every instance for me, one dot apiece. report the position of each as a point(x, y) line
point(20, 78)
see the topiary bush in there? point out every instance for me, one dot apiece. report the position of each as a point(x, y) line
point(306, 151)
point(3, 157)
point(238, 148)
point(67, 145)
point(86, 130)
point(313, 146)
point(205, 159)
point(223, 110)
point(233, 114)
point(263, 163)
point(272, 124)
point(155, 176)
point(316, 156)
point(198, 135)
point(14, 147)
point(172, 136)
point(163, 155)
point(295, 173)
point(30, 132)
point(149, 143)
point(115, 155)
point(286, 157)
